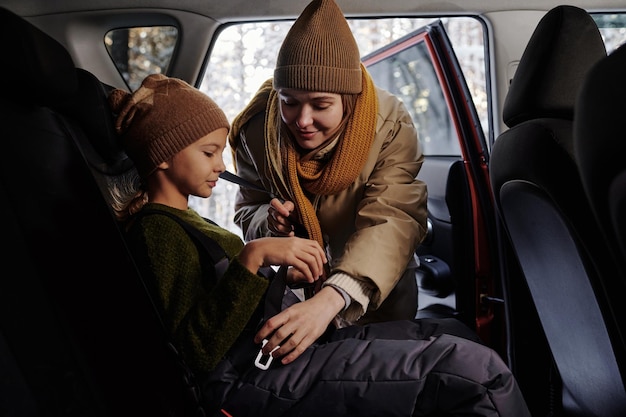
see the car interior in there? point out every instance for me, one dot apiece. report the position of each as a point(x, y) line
point(526, 242)
point(551, 228)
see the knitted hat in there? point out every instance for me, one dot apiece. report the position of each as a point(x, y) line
point(319, 53)
point(161, 118)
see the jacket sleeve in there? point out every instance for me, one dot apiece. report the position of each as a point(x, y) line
point(251, 207)
point(204, 318)
point(391, 217)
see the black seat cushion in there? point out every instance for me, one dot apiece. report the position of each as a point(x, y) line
point(600, 147)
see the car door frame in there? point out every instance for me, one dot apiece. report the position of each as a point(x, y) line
point(460, 203)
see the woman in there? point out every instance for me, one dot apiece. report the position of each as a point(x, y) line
point(344, 155)
point(175, 135)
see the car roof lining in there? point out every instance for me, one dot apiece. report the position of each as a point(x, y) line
point(239, 10)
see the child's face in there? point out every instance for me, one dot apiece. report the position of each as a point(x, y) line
point(195, 169)
point(312, 117)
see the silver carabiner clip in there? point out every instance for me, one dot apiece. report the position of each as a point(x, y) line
point(259, 363)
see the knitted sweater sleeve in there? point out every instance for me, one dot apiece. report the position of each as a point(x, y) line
point(251, 206)
point(205, 317)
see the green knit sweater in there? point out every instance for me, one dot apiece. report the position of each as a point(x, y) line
point(204, 318)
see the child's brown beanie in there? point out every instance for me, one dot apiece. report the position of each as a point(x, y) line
point(319, 52)
point(161, 118)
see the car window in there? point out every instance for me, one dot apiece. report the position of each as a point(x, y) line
point(409, 73)
point(244, 55)
point(613, 29)
point(140, 51)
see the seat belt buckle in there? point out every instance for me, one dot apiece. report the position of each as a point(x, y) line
point(262, 361)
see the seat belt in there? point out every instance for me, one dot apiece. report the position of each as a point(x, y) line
point(299, 230)
point(235, 179)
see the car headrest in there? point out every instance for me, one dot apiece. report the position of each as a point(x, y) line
point(42, 72)
point(600, 126)
point(89, 108)
point(565, 44)
point(38, 69)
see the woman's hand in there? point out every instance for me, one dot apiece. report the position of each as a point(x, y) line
point(299, 326)
point(305, 256)
point(278, 220)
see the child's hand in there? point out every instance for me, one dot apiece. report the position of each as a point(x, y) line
point(305, 256)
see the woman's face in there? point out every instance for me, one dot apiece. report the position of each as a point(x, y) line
point(312, 117)
point(196, 169)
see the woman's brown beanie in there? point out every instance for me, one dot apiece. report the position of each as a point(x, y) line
point(161, 118)
point(319, 53)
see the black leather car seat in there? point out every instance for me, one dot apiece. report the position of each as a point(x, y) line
point(78, 332)
point(539, 195)
point(600, 148)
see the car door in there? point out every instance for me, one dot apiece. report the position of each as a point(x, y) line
point(459, 267)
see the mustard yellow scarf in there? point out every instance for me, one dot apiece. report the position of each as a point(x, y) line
point(315, 177)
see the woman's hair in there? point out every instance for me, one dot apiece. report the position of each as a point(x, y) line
point(274, 154)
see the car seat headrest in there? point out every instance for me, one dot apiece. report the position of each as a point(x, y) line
point(38, 69)
point(43, 73)
point(600, 126)
point(565, 44)
point(89, 108)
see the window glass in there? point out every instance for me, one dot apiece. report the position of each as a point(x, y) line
point(613, 29)
point(410, 75)
point(138, 52)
